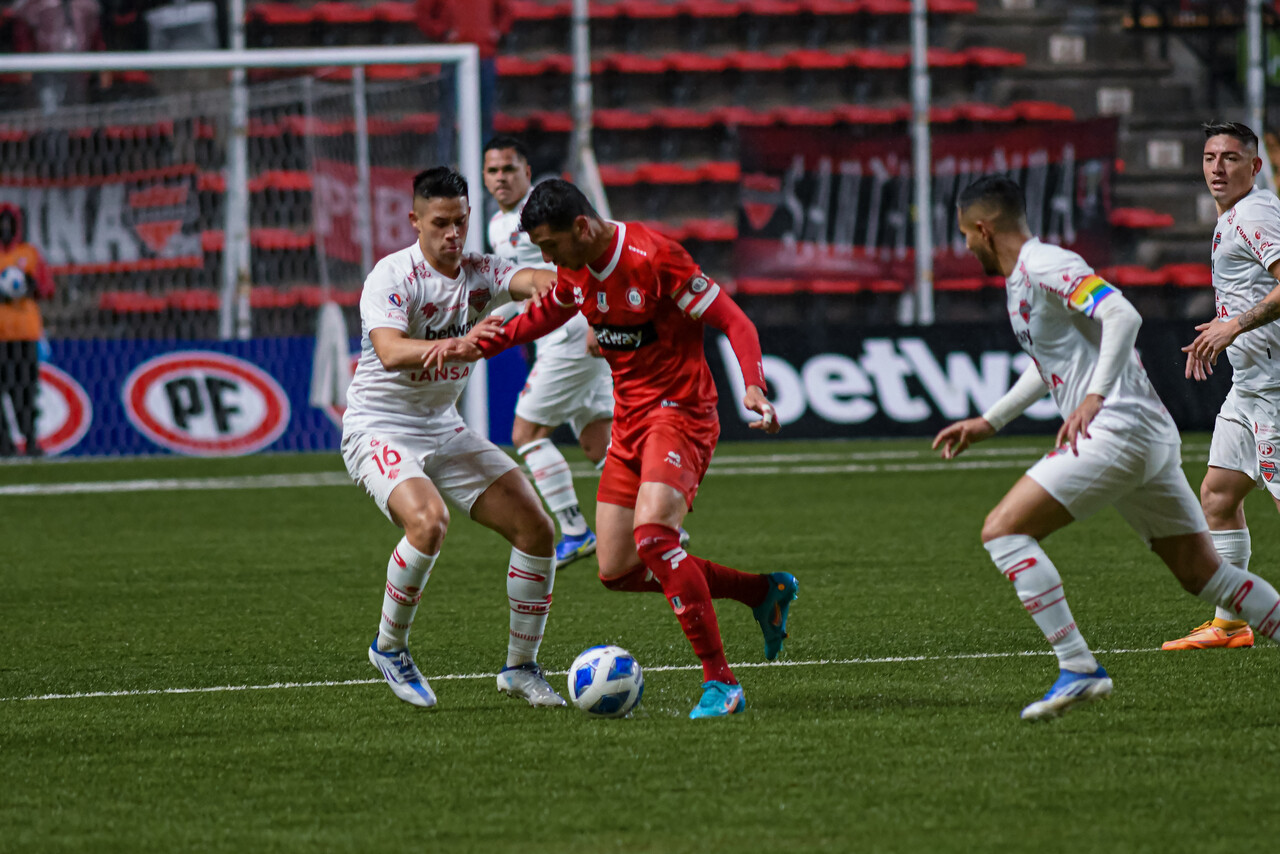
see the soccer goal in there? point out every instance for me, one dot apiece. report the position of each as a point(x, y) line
point(178, 205)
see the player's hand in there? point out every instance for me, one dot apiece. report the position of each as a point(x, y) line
point(956, 438)
point(756, 401)
point(450, 350)
point(1198, 369)
point(593, 344)
point(1215, 336)
point(1077, 424)
point(540, 292)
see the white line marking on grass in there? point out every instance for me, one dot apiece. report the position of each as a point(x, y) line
point(664, 668)
point(264, 481)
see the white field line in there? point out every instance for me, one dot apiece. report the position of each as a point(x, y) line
point(668, 668)
point(809, 464)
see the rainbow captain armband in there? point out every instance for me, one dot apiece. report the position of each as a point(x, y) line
point(1088, 292)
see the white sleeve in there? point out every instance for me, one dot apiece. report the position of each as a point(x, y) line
point(1027, 390)
point(1120, 323)
point(383, 302)
point(1262, 237)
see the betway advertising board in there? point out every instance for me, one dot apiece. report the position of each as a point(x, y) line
point(894, 381)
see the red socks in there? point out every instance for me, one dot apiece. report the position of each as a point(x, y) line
point(684, 582)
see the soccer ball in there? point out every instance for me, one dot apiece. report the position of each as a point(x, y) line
point(605, 681)
point(13, 283)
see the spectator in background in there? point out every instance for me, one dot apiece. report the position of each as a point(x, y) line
point(23, 277)
point(58, 26)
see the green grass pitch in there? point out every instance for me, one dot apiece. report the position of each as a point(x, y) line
point(891, 726)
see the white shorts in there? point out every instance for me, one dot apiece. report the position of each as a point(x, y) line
point(559, 391)
point(1246, 438)
point(460, 463)
point(1144, 481)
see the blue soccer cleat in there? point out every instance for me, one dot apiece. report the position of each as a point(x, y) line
point(771, 614)
point(1071, 690)
point(719, 699)
point(407, 683)
point(527, 682)
point(571, 547)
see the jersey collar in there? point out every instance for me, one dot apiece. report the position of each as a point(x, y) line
point(619, 238)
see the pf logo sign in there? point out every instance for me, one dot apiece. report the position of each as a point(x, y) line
point(65, 412)
point(205, 404)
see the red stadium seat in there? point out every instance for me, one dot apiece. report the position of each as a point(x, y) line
point(953, 7)
point(766, 287)
point(551, 121)
point(887, 7)
point(743, 117)
point(721, 172)
point(754, 60)
point(873, 58)
point(668, 173)
point(962, 284)
point(648, 10)
point(815, 60)
point(834, 286)
point(710, 230)
point(395, 12)
point(974, 111)
point(338, 14)
point(194, 300)
point(711, 9)
point(995, 57)
point(689, 61)
point(534, 10)
point(604, 11)
point(833, 8)
point(280, 14)
point(616, 176)
point(128, 302)
point(941, 58)
point(805, 117)
point(944, 115)
point(507, 123)
point(1134, 276)
point(856, 114)
point(683, 117)
point(1189, 275)
point(1044, 111)
point(886, 286)
point(620, 119)
point(635, 63)
point(1139, 218)
point(772, 8)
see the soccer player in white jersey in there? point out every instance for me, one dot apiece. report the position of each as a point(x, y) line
point(405, 443)
point(1117, 444)
point(567, 384)
point(1246, 435)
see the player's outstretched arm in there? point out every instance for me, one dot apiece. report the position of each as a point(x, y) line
point(955, 439)
point(724, 314)
point(531, 283)
point(464, 349)
point(397, 351)
point(542, 316)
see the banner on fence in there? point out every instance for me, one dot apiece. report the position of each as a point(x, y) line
point(821, 204)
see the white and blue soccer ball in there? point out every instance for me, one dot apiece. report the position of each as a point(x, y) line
point(13, 283)
point(606, 681)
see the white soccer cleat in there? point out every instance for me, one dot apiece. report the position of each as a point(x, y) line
point(526, 681)
point(406, 681)
point(1070, 690)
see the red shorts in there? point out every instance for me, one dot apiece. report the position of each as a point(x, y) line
point(669, 447)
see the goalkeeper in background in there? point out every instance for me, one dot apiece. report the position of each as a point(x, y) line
point(26, 277)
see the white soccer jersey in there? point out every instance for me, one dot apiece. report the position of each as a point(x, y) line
point(1246, 242)
point(1052, 294)
point(508, 241)
point(404, 292)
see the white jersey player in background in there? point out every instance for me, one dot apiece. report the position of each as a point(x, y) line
point(567, 384)
point(1117, 444)
point(1246, 436)
point(405, 443)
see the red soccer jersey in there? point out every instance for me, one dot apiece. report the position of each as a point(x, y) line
point(645, 308)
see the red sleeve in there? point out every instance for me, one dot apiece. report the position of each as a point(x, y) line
point(532, 324)
point(723, 313)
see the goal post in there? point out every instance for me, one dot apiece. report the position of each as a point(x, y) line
point(324, 255)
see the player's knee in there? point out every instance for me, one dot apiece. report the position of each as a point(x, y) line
point(997, 524)
point(535, 533)
point(426, 527)
point(1219, 506)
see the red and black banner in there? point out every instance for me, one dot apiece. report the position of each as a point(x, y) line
point(823, 204)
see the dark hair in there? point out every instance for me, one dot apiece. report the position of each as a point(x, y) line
point(439, 182)
point(1233, 129)
point(556, 203)
point(502, 143)
point(999, 192)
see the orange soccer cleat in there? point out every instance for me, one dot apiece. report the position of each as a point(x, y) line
point(1211, 636)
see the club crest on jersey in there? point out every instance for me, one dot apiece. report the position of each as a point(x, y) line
point(1268, 470)
point(515, 238)
point(478, 299)
point(635, 299)
point(1024, 309)
point(396, 300)
point(698, 284)
point(602, 302)
point(1217, 241)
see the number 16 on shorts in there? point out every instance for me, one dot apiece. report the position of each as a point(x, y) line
point(386, 458)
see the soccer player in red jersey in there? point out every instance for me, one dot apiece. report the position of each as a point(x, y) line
point(648, 302)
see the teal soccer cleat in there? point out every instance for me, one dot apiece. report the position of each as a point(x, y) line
point(771, 614)
point(571, 548)
point(719, 700)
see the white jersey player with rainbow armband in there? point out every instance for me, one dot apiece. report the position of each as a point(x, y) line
point(567, 384)
point(1117, 446)
point(1245, 450)
point(405, 443)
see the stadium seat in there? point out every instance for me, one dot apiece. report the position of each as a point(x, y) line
point(536, 10)
point(937, 57)
point(990, 113)
point(805, 117)
point(953, 7)
point(742, 117)
point(751, 286)
point(616, 176)
point(710, 230)
point(668, 173)
point(874, 58)
point(694, 62)
point(1134, 276)
point(129, 302)
point(193, 300)
point(964, 284)
point(995, 57)
point(855, 114)
point(621, 119)
point(1139, 218)
point(683, 117)
point(886, 7)
point(834, 286)
point(721, 172)
point(1188, 275)
point(1043, 111)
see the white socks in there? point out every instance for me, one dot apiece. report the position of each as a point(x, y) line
point(554, 481)
point(529, 583)
point(407, 573)
point(1245, 596)
point(1235, 548)
point(1039, 586)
